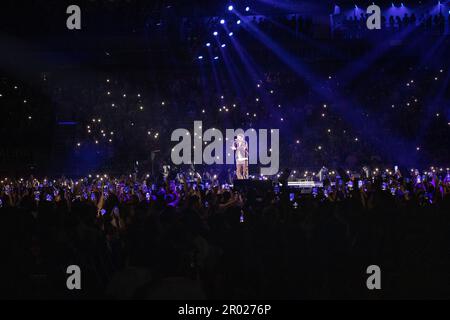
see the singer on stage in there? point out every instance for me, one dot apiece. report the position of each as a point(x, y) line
point(241, 156)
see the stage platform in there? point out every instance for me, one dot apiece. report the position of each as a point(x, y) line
point(264, 185)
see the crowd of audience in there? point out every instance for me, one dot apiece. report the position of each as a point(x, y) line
point(127, 117)
point(394, 98)
point(189, 235)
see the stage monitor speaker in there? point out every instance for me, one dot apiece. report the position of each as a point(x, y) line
point(255, 185)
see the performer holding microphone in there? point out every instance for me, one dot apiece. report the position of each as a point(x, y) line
point(241, 156)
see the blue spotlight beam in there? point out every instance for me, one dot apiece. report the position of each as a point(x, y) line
point(251, 68)
point(355, 68)
point(346, 107)
point(294, 6)
point(216, 77)
point(303, 38)
point(230, 71)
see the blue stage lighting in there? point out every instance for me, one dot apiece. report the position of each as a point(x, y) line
point(222, 21)
point(208, 44)
point(223, 45)
point(230, 34)
point(247, 9)
point(216, 58)
point(238, 22)
point(230, 8)
point(200, 57)
point(215, 33)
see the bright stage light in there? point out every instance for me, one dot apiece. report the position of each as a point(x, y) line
point(247, 9)
point(216, 58)
point(223, 45)
point(222, 21)
point(230, 34)
point(215, 33)
point(200, 57)
point(230, 8)
point(238, 22)
point(208, 44)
